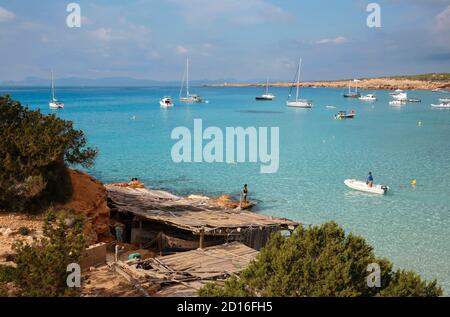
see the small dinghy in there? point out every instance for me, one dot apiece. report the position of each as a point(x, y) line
point(362, 186)
point(344, 115)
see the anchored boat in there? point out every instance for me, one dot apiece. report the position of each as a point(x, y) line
point(344, 115)
point(55, 103)
point(298, 103)
point(362, 186)
point(352, 94)
point(266, 96)
point(188, 98)
point(166, 102)
point(369, 97)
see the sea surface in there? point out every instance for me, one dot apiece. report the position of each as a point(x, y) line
point(410, 225)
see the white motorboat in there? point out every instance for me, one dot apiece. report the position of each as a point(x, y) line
point(166, 102)
point(55, 103)
point(298, 103)
point(364, 187)
point(396, 92)
point(266, 96)
point(369, 97)
point(400, 96)
point(397, 102)
point(443, 105)
point(444, 100)
point(188, 98)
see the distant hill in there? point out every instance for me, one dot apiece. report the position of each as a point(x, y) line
point(104, 82)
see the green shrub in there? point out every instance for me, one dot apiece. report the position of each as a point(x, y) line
point(319, 261)
point(41, 266)
point(34, 151)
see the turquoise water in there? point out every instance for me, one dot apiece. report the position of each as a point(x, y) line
point(410, 226)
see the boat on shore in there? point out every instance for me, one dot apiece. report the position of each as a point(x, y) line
point(188, 98)
point(369, 97)
point(344, 115)
point(298, 103)
point(54, 103)
point(266, 96)
point(364, 187)
point(352, 94)
point(166, 102)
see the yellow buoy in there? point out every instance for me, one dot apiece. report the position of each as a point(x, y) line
point(414, 182)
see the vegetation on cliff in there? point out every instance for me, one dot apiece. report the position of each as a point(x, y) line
point(41, 267)
point(320, 261)
point(34, 151)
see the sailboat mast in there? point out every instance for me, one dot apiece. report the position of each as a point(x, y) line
point(53, 88)
point(356, 91)
point(267, 86)
point(187, 77)
point(298, 78)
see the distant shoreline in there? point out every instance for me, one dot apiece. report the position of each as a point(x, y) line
point(364, 84)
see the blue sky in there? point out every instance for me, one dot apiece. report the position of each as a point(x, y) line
point(149, 39)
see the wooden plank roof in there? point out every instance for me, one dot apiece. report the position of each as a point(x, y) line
point(195, 215)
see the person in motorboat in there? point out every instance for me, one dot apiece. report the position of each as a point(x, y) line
point(369, 181)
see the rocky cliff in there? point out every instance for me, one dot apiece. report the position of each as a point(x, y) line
point(89, 199)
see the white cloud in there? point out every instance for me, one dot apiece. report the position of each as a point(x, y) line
point(442, 20)
point(181, 50)
point(6, 16)
point(102, 34)
point(336, 40)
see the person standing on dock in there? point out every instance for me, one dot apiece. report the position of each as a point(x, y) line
point(244, 193)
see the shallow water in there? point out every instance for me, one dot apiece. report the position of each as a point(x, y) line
point(410, 225)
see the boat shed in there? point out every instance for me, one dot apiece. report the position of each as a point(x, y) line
point(165, 222)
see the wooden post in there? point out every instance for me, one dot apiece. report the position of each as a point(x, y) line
point(202, 239)
point(140, 233)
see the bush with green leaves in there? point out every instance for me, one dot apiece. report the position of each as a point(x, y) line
point(41, 267)
point(34, 151)
point(319, 261)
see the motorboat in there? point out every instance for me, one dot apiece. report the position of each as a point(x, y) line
point(444, 100)
point(396, 92)
point(443, 105)
point(54, 103)
point(397, 102)
point(298, 103)
point(400, 96)
point(344, 115)
point(166, 102)
point(369, 97)
point(364, 187)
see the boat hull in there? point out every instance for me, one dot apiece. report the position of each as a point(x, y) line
point(352, 95)
point(56, 105)
point(363, 187)
point(299, 104)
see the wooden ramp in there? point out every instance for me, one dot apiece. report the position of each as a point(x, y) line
point(182, 274)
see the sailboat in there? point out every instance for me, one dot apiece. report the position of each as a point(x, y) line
point(54, 103)
point(188, 97)
point(351, 94)
point(266, 96)
point(299, 103)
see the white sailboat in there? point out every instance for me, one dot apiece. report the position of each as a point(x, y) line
point(299, 103)
point(188, 97)
point(266, 96)
point(55, 103)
